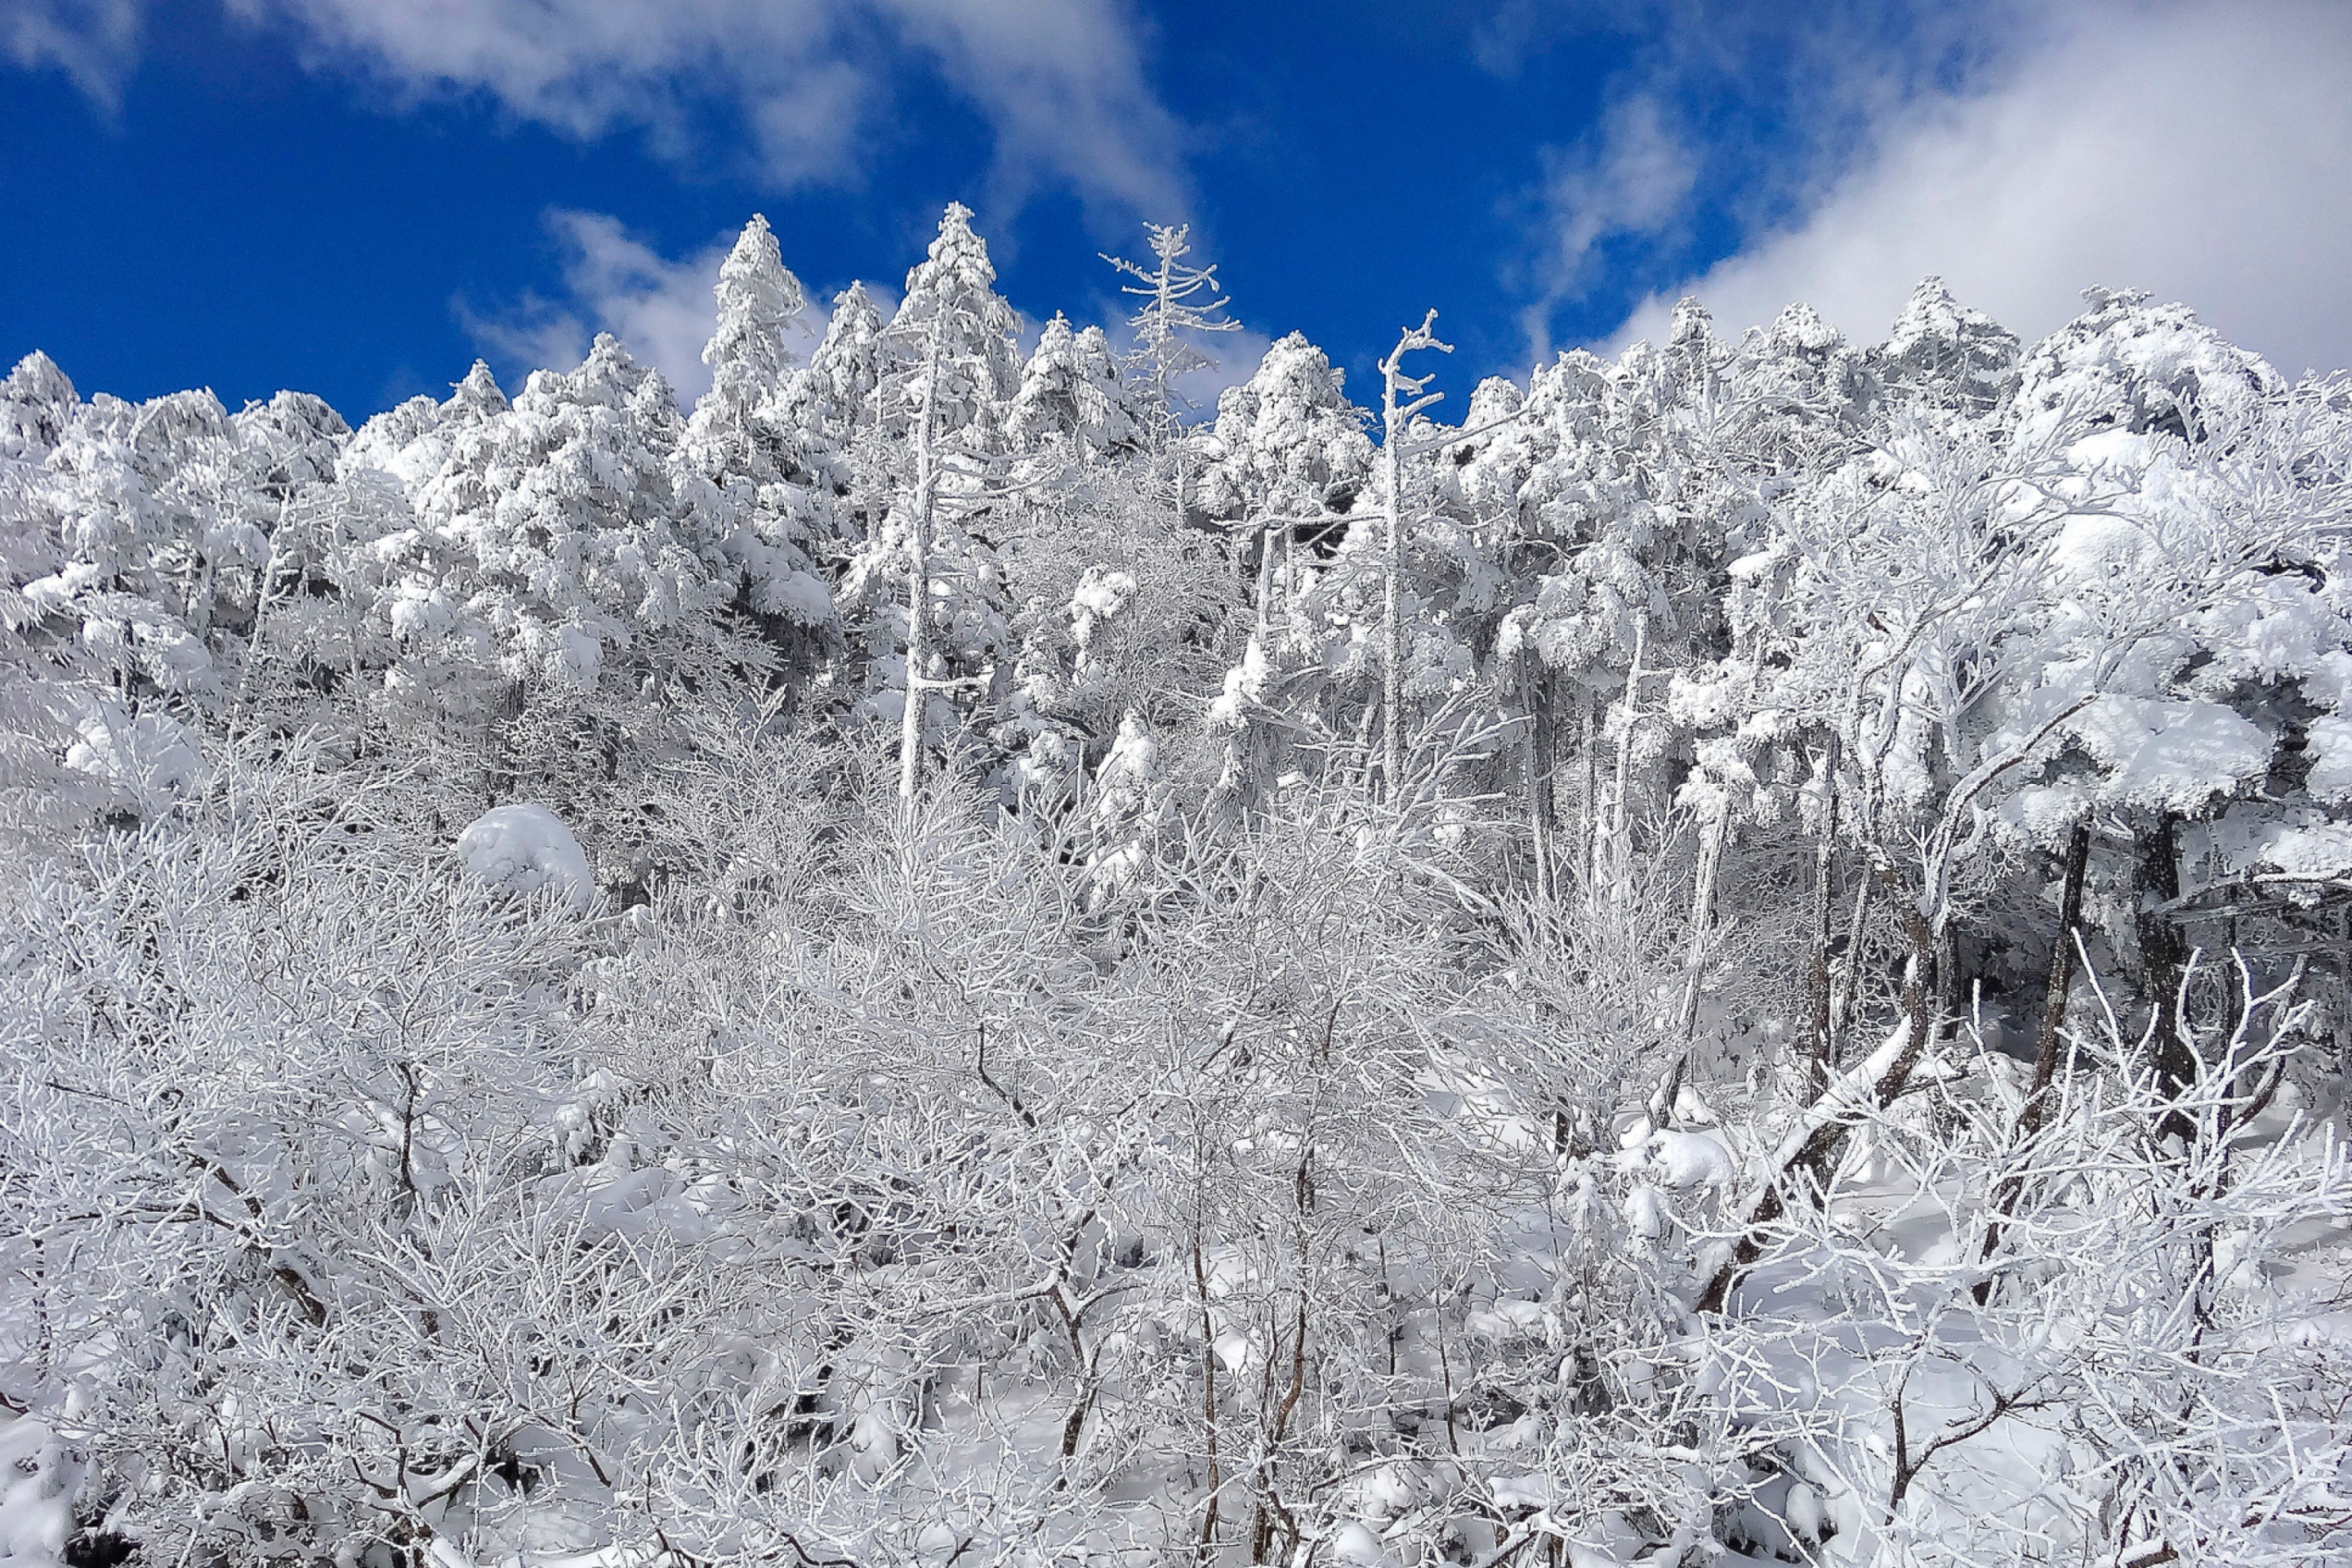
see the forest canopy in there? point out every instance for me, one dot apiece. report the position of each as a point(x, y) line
point(1739, 956)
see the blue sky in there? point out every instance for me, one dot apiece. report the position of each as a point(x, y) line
point(355, 197)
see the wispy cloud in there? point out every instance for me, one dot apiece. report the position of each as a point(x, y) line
point(1634, 178)
point(1062, 83)
point(94, 42)
point(807, 85)
point(613, 282)
point(1723, 114)
point(2203, 152)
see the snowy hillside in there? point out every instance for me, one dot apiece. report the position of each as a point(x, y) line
point(1743, 954)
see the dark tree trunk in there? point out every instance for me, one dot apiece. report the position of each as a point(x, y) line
point(1809, 1172)
point(1535, 690)
point(1817, 1077)
point(2163, 958)
point(1589, 824)
point(1848, 989)
point(2047, 1043)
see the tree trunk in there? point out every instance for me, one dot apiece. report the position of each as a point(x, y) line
point(919, 574)
point(502, 779)
point(1810, 1169)
point(1396, 419)
point(1817, 985)
point(1951, 999)
point(1849, 981)
point(1208, 1401)
point(1391, 624)
point(1588, 809)
point(1702, 924)
point(1536, 738)
point(1265, 579)
point(2046, 1043)
point(2061, 975)
point(1620, 869)
point(2163, 959)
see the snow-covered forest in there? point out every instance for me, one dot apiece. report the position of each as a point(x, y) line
point(1739, 955)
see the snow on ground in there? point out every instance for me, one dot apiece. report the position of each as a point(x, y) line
point(37, 1490)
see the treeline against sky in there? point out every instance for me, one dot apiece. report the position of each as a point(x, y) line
point(1740, 955)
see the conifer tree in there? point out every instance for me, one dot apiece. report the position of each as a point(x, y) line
point(949, 348)
point(834, 395)
point(1402, 397)
point(766, 502)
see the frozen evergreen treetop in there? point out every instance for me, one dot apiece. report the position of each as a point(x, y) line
point(759, 301)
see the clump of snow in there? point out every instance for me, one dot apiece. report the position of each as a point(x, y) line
point(1506, 1321)
point(2329, 747)
point(1354, 1543)
point(575, 659)
point(524, 847)
point(2046, 813)
point(37, 1480)
point(1645, 1212)
point(2171, 756)
point(421, 611)
point(1098, 600)
point(1100, 595)
point(1046, 765)
point(1244, 686)
point(1681, 1160)
point(2310, 848)
point(1127, 775)
point(149, 760)
point(799, 596)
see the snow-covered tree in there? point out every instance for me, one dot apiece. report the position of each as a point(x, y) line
point(491, 1069)
point(1073, 396)
point(953, 371)
point(764, 486)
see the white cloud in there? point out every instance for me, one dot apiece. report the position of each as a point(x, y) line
point(94, 42)
point(662, 310)
point(1722, 112)
point(2201, 151)
point(1634, 178)
point(1060, 83)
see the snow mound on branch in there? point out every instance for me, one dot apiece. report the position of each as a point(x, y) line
point(2329, 747)
point(2172, 756)
point(149, 760)
point(1244, 686)
point(2310, 848)
point(1355, 1544)
point(575, 658)
point(1681, 1160)
point(1101, 594)
point(524, 847)
point(798, 597)
point(1507, 1321)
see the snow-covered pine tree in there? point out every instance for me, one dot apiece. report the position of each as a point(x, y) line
point(1947, 353)
point(1177, 299)
point(43, 675)
point(1289, 470)
point(950, 371)
point(1073, 398)
point(1402, 397)
point(833, 396)
point(760, 485)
